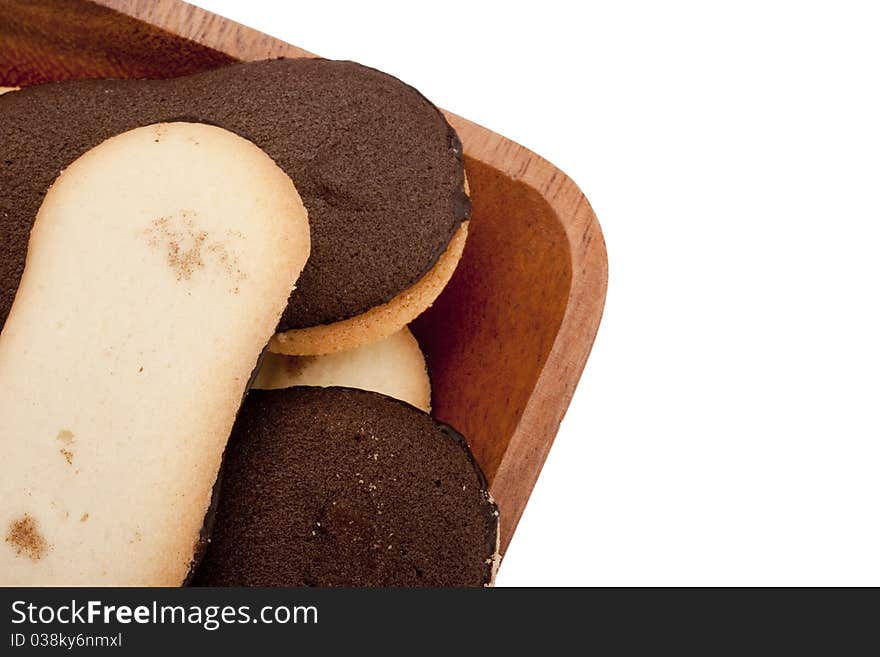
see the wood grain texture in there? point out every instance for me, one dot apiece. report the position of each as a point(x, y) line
point(507, 341)
point(52, 40)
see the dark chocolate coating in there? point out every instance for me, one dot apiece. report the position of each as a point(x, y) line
point(378, 167)
point(343, 487)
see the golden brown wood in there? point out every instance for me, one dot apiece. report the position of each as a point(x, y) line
point(508, 339)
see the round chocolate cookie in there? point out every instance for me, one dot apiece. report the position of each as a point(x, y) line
point(344, 487)
point(378, 167)
point(379, 321)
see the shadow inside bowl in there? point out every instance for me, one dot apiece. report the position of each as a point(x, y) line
point(489, 334)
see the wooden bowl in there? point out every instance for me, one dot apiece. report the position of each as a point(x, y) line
point(508, 339)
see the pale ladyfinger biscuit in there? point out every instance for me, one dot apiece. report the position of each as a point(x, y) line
point(157, 268)
point(394, 366)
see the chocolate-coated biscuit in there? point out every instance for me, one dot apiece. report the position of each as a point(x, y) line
point(379, 321)
point(378, 167)
point(343, 487)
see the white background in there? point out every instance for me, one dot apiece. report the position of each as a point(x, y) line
point(726, 429)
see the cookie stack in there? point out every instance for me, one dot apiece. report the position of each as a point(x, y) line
point(152, 233)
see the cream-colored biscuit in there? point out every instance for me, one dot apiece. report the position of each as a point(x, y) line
point(378, 322)
point(157, 270)
point(393, 366)
point(6, 90)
